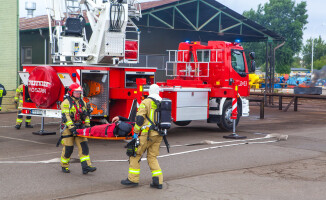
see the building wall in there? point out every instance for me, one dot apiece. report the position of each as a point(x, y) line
point(33, 39)
point(9, 43)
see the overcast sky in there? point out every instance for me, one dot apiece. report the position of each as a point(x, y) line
point(316, 10)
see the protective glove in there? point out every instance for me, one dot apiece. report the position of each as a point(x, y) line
point(135, 136)
point(73, 131)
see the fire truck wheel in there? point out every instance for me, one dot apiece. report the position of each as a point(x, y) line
point(226, 123)
point(182, 123)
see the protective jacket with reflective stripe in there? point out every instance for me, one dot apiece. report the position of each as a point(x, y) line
point(19, 95)
point(146, 108)
point(69, 112)
point(3, 92)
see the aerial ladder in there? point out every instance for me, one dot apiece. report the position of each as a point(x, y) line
point(112, 30)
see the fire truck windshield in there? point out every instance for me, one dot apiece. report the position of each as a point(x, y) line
point(237, 62)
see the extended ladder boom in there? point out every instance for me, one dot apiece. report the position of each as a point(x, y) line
point(110, 23)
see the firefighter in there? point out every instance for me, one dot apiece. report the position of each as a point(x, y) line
point(75, 116)
point(19, 102)
point(149, 140)
point(3, 92)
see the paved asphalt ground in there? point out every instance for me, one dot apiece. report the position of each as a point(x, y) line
point(254, 170)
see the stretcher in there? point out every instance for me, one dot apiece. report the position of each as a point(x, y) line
point(114, 131)
point(107, 138)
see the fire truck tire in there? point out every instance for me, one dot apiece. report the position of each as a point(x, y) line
point(226, 123)
point(182, 123)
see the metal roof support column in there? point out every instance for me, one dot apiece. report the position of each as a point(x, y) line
point(273, 66)
point(273, 72)
point(241, 29)
point(272, 69)
point(220, 23)
point(197, 18)
point(266, 74)
point(147, 20)
point(173, 16)
point(269, 80)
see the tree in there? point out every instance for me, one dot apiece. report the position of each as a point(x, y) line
point(318, 64)
point(296, 62)
point(319, 50)
point(285, 18)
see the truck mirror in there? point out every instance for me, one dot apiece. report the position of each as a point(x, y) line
point(253, 66)
point(252, 55)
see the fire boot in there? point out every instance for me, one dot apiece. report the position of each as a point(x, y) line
point(87, 168)
point(128, 182)
point(28, 125)
point(156, 183)
point(65, 170)
point(18, 126)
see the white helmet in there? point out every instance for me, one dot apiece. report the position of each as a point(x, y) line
point(154, 91)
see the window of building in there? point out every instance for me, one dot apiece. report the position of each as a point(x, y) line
point(26, 55)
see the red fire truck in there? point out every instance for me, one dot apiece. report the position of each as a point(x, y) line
point(205, 76)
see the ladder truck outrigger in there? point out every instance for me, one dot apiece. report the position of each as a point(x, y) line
point(206, 76)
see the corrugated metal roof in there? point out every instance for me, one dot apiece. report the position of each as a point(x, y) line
point(42, 21)
point(253, 26)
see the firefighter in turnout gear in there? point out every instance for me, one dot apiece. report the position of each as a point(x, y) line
point(149, 140)
point(3, 93)
point(74, 116)
point(19, 102)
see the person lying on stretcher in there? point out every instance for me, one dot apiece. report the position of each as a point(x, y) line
point(120, 127)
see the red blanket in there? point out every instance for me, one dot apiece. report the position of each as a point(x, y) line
point(105, 130)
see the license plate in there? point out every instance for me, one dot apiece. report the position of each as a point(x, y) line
point(36, 112)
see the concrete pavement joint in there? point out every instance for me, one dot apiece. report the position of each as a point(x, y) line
point(31, 155)
point(49, 123)
point(11, 138)
point(56, 160)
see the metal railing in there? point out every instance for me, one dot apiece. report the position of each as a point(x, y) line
point(73, 8)
point(132, 35)
point(181, 66)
